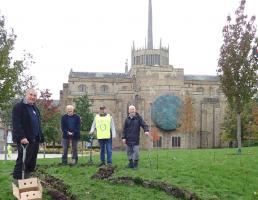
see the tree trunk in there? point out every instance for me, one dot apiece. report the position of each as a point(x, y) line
point(239, 133)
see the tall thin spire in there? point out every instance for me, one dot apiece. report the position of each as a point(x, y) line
point(150, 39)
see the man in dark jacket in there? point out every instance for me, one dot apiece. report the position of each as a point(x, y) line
point(27, 132)
point(131, 135)
point(70, 124)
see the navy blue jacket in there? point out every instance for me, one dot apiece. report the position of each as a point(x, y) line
point(131, 130)
point(76, 126)
point(21, 121)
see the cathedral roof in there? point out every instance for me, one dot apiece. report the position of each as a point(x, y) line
point(200, 78)
point(98, 74)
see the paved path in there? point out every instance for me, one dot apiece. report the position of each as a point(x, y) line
point(40, 155)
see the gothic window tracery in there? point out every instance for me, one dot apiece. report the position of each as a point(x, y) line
point(82, 88)
point(200, 90)
point(104, 89)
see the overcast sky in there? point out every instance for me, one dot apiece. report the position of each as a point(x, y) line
point(97, 35)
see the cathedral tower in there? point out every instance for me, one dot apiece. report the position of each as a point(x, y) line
point(149, 56)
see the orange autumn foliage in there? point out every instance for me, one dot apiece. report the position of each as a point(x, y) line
point(154, 135)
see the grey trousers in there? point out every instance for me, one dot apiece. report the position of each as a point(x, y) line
point(132, 152)
point(65, 143)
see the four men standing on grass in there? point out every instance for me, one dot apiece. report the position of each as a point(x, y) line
point(70, 125)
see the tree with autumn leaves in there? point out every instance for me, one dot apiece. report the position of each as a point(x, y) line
point(155, 136)
point(187, 119)
point(50, 117)
point(237, 66)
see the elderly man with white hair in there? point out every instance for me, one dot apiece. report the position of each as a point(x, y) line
point(70, 125)
point(27, 131)
point(131, 135)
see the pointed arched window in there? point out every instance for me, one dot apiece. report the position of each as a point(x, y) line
point(200, 90)
point(82, 88)
point(104, 89)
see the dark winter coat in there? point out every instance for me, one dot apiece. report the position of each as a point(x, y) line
point(74, 127)
point(22, 127)
point(131, 131)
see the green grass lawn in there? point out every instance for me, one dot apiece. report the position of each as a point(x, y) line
point(210, 173)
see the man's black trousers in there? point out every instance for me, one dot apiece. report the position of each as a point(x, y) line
point(30, 161)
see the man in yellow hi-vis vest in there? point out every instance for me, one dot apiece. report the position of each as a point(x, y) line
point(105, 127)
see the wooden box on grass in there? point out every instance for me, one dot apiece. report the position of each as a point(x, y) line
point(28, 189)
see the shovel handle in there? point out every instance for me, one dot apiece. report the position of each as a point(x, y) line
point(24, 148)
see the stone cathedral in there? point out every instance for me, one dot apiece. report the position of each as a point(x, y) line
point(183, 111)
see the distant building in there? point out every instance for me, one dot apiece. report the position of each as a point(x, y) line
point(152, 84)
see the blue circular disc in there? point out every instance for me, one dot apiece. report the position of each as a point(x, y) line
point(165, 112)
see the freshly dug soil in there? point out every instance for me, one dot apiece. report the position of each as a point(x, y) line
point(56, 188)
point(105, 173)
point(169, 189)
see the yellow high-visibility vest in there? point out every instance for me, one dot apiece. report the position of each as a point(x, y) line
point(103, 126)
